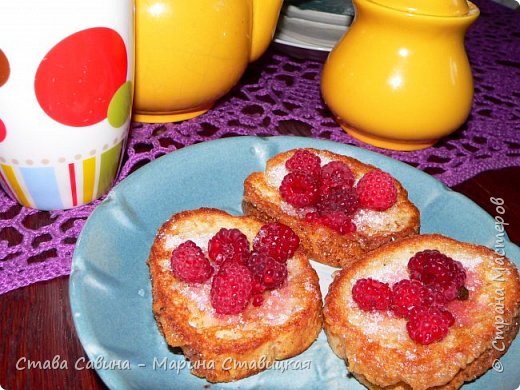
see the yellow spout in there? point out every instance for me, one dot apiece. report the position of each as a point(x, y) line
point(265, 17)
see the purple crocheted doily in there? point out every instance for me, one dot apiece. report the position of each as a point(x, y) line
point(38, 245)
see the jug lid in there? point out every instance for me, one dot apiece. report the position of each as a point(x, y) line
point(428, 7)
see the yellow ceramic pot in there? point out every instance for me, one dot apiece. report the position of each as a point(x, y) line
point(189, 53)
point(400, 78)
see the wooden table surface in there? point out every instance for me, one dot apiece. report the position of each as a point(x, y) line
point(36, 322)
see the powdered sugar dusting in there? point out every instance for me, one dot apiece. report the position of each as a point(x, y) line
point(370, 220)
point(388, 329)
point(390, 270)
point(309, 287)
point(382, 326)
point(172, 242)
point(276, 174)
point(470, 263)
point(324, 159)
point(165, 264)
point(201, 240)
point(411, 355)
point(298, 212)
point(199, 295)
point(366, 221)
point(278, 306)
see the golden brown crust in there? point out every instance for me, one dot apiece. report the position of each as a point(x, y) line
point(224, 348)
point(321, 243)
point(376, 346)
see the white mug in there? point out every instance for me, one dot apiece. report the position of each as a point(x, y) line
point(66, 89)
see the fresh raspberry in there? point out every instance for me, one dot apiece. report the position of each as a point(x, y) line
point(444, 276)
point(257, 300)
point(437, 296)
point(189, 263)
point(338, 221)
point(372, 294)
point(376, 190)
point(231, 288)
point(340, 198)
point(300, 189)
point(277, 240)
point(228, 245)
point(267, 271)
point(336, 174)
point(258, 287)
point(428, 324)
point(313, 217)
point(305, 161)
point(408, 294)
point(448, 317)
point(257, 297)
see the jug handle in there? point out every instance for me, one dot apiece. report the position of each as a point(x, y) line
point(265, 18)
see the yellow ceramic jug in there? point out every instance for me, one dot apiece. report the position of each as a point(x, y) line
point(400, 78)
point(189, 53)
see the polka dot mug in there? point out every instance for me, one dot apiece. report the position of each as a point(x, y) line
point(66, 88)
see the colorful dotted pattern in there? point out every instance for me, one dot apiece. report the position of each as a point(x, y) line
point(3, 131)
point(82, 80)
point(4, 68)
point(79, 76)
point(120, 105)
point(4, 76)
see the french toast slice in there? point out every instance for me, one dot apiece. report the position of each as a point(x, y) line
point(262, 200)
point(226, 347)
point(376, 345)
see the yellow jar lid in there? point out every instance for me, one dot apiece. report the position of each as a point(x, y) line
point(428, 7)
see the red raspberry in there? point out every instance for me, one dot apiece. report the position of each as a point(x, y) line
point(444, 276)
point(267, 271)
point(257, 300)
point(448, 317)
point(437, 296)
point(277, 240)
point(258, 287)
point(408, 294)
point(428, 324)
point(313, 217)
point(228, 244)
point(257, 293)
point(189, 263)
point(372, 294)
point(231, 288)
point(300, 189)
point(376, 190)
point(336, 174)
point(305, 161)
point(338, 221)
point(340, 198)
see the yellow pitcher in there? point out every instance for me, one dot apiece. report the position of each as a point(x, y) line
point(189, 53)
point(400, 78)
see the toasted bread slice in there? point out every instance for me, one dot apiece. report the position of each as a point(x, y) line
point(376, 345)
point(262, 200)
point(223, 348)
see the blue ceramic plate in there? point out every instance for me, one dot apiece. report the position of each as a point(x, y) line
point(110, 288)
